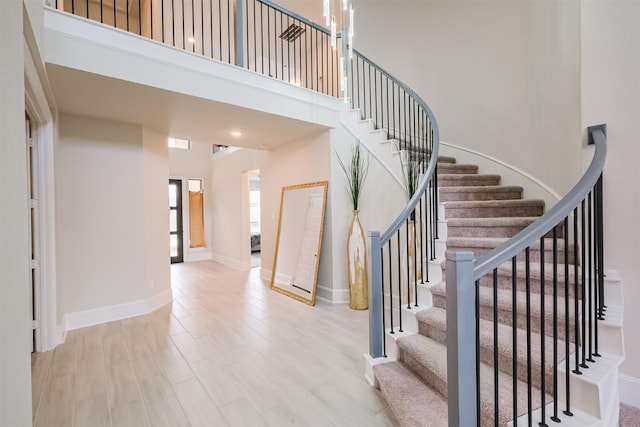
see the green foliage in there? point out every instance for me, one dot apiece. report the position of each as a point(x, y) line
point(356, 171)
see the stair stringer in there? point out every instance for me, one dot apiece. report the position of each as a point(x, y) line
point(375, 142)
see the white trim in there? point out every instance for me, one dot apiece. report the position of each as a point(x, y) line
point(629, 389)
point(231, 262)
point(81, 319)
point(335, 296)
point(197, 255)
point(344, 122)
point(265, 274)
point(38, 104)
point(552, 196)
point(369, 363)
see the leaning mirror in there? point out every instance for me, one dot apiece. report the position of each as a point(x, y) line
point(297, 255)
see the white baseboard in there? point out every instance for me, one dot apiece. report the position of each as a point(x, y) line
point(81, 319)
point(193, 255)
point(629, 389)
point(231, 262)
point(335, 296)
point(265, 274)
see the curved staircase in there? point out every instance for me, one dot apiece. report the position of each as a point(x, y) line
point(480, 214)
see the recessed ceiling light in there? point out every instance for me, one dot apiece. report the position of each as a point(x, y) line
point(191, 39)
point(236, 133)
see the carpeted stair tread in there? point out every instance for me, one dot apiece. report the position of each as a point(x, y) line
point(413, 403)
point(486, 192)
point(456, 180)
point(446, 159)
point(493, 208)
point(487, 227)
point(505, 280)
point(505, 312)
point(482, 245)
point(490, 227)
point(457, 168)
point(433, 321)
point(432, 355)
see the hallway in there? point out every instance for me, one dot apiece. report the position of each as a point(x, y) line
point(227, 351)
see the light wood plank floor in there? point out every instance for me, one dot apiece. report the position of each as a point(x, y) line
point(227, 352)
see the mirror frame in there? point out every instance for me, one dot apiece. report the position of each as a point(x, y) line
point(312, 299)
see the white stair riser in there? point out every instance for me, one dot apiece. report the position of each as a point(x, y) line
point(442, 229)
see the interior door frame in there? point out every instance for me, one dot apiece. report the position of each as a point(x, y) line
point(179, 183)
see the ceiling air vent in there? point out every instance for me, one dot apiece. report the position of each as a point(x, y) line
point(292, 33)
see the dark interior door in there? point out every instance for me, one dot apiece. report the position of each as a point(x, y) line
point(175, 220)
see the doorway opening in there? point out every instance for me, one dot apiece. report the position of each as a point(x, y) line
point(175, 221)
point(254, 217)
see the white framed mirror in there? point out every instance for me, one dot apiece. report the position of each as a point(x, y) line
point(299, 240)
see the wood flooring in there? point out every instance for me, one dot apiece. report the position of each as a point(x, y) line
point(227, 352)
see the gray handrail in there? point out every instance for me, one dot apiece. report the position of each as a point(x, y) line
point(519, 242)
point(415, 199)
point(296, 16)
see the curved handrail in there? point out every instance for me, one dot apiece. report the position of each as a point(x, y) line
point(298, 17)
point(431, 168)
point(554, 216)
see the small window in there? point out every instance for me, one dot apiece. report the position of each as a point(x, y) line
point(179, 143)
point(195, 185)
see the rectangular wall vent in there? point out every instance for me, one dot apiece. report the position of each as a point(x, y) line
point(292, 33)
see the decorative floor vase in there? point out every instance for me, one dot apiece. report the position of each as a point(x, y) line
point(357, 266)
point(412, 252)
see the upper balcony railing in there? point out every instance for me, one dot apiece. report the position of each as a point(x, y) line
point(254, 34)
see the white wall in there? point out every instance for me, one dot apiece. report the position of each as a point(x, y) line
point(156, 218)
point(230, 206)
point(107, 174)
point(15, 314)
point(611, 94)
point(502, 77)
point(298, 162)
point(381, 200)
point(194, 163)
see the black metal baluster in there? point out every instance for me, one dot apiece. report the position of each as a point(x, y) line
point(211, 25)
point(600, 218)
point(114, 5)
point(229, 32)
point(590, 275)
point(391, 286)
point(261, 39)
point(554, 417)
point(408, 264)
point(399, 285)
point(193, 25)
point(477, 305)
point(173, 22)
point(496, 385)
point(567, 358)
point(393, 103)
point(576, 293)
point(543, 387)
point(514, 331)
point(255, 46)
point(584, 285)
point(527, 284)
point(269, 38)
point(202, 26)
